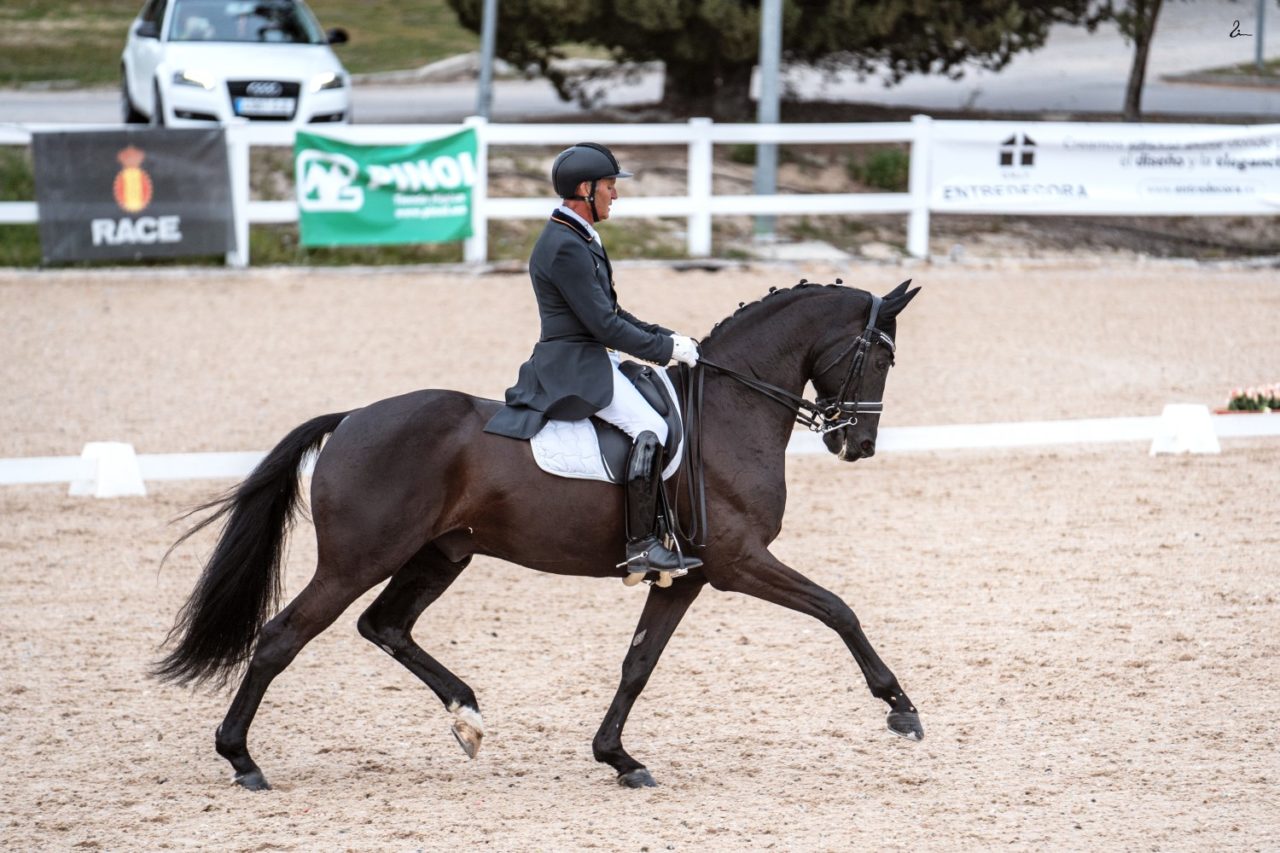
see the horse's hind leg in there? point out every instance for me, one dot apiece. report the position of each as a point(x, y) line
point(769, 579)
point(390, 619)
point(278, 644)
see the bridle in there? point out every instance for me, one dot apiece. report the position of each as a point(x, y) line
point(842, 410)
point(827, 414)
point(823, 415)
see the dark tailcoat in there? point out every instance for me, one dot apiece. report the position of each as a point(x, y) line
point(569, 376)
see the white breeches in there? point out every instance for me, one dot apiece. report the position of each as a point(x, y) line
point(629, 411)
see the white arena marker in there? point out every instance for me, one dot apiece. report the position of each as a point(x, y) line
point(116, 471)
point(1185, 428)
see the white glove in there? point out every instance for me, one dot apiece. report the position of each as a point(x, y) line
point(684, 350)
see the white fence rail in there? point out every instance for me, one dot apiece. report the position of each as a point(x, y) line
point(936, 147)
point(698, 205)
point(112, 469)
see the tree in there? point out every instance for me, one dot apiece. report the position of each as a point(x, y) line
point(1137, 22)
point(709, 47)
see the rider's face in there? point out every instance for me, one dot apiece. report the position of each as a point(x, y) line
point(606, 195)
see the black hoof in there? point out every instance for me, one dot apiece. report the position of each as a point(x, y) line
point(638, 778)
point(906, 724)
point(252, 781)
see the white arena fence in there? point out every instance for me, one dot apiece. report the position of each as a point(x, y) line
point(1001, 168)
point(113, 469)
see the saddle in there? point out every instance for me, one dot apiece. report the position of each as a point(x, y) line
point(593, 449)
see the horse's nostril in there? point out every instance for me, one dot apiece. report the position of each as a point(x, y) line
point(868, 447)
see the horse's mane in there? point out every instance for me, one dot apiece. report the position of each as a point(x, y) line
point(775, 296)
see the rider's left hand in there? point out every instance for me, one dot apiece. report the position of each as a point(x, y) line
point(684, 350)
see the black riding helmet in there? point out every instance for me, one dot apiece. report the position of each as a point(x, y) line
point(586, 161)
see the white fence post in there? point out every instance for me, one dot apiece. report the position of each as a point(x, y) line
point(475, 249)
point(701, 164)
point(918, 186)
point(238, 164)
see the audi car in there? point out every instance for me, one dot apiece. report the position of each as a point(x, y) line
point(193, 63)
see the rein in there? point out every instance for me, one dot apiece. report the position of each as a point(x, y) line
point(823, 415)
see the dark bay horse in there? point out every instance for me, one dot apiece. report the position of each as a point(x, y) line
point(410, 488)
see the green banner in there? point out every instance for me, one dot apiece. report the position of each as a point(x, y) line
point(358, 194)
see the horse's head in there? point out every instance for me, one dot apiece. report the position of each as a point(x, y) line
point(849, 373)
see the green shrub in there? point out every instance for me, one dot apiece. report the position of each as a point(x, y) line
point(743, 153)
point(885, 169)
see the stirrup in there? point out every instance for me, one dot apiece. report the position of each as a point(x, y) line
point(639, 551)
point(638, 567)
point(656, 577)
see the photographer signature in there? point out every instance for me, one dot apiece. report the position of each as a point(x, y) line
point(1235, 31)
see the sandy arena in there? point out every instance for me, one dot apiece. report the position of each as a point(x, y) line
point(1089, 632)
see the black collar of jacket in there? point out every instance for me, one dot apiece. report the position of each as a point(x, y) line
point(578, 227)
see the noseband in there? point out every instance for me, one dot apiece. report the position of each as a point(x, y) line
point(823, 415)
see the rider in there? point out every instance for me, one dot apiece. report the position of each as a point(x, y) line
point(573, 372)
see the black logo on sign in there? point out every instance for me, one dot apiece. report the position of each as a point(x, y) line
point(1018, 150)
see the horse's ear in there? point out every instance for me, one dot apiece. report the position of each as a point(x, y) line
point(897, 291)
point(898, 299)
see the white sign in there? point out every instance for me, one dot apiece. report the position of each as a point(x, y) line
point(1091, 168)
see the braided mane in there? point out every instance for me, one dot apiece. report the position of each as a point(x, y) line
point(774, 292)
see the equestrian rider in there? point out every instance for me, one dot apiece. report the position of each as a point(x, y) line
point(573, 372)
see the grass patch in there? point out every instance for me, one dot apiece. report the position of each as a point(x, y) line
point(884, 169)
point(390, 36)
point(19, 244)
point(79, 43)
point(17, 177)
point(1270, 68)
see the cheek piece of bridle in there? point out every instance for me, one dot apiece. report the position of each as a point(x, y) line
point(823, 415)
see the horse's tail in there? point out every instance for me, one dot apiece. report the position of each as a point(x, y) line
point(241, 584)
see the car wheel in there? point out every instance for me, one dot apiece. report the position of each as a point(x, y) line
point(129, 112)
point(157, 108)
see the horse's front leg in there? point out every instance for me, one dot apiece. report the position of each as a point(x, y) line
point(663, 611)
point(765, 577)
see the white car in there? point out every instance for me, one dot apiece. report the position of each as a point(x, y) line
point(192, 63)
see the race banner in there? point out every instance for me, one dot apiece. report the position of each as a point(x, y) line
point(1094, 168)
point(361, 194)
point(132, 194)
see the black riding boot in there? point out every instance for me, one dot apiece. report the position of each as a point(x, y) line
point(645, 551)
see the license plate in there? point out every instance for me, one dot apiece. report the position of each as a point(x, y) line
point(264, 106)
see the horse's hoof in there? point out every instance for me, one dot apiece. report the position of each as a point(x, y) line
point(252, 781)
point(468, 738)
point(638, 778)
point(468, 728)
point(906, 724)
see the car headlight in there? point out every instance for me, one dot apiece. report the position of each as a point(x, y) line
point(326, 80)
point(200, 79)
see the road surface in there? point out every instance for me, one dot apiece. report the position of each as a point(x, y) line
point(1074, 72)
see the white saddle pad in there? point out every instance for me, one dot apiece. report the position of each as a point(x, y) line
point(570, 448)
